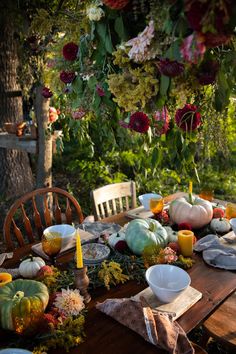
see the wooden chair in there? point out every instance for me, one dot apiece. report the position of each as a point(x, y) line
point(113, 198)
point(221, 325)
point(35, 211)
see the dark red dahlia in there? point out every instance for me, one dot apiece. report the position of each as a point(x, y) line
point(67, 76)
point(116, 4)
point(170, 68)
point(70, 51)
point(188, 118)
point(46, 92)
point(207, 72)
point(213, 40)
point(139, 122)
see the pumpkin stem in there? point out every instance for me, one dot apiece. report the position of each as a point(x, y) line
point(18, 295)
point(190, 198)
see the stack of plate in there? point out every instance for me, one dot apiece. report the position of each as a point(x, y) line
point(94, 253)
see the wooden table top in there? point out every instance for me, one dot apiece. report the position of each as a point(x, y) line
point(105, 335)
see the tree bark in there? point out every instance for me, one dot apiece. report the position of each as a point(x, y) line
point(44, 163)
point(15, 172)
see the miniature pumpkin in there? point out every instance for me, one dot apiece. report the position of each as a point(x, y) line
point(5, 278)
point(172, 235)
point(115, 238)
point(218, 213)
point(30, 266)
point(22, 303)
point(220, 225)
point(197, 212)
point(141, 233)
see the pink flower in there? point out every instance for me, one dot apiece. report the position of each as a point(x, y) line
point(169, 255)
point(78, 113)
point(70, 51)
point(188, 118)
point(162, 118)
point(139, 122)
point(67, 76)
point(193, 48)
point(53, 114)
point(46, 92)
point(100, 91)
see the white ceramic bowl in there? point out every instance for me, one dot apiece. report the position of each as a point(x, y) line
point(15, 351)
point(233, 224)
point(145, 199)
point(167, 281)
point(67, 232)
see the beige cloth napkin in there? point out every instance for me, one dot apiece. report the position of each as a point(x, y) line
point(4, 256)
point(155, 327)
point(84, 236)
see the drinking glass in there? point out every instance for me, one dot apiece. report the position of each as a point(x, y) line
point(207, 194)
point(51, 244)
point(156, 205)
point(230, 211)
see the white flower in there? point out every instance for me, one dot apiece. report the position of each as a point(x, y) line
point(95, 13)
point(69, 302)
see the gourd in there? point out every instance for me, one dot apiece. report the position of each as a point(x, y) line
point(30, 266)
point(172, 235)
point(193, 210)
point(22, 303)
point(5, 278)
point(116, 237)
point(141, 233)
point(220, 225)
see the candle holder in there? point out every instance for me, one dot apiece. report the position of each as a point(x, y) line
point(82, 282)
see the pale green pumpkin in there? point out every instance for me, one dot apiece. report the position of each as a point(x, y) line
point(141, 233)
point(22, 303)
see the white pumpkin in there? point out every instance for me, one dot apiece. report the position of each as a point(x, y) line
point(220, 225)
point(197, 212)
point(30, 266)
point(172, 235)
point(116, 237)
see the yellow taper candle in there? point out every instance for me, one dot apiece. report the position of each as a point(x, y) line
point(190, 188)
point(79, 255)
point(185, 241)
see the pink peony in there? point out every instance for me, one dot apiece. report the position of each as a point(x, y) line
point(193, 48)
point(139, 122)
point(67, 76)
point(70, 51)
point(53, 114)
point(162, 118)
point(188, 118)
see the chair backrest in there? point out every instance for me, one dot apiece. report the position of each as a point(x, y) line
point(36, 210)
point(113, 198)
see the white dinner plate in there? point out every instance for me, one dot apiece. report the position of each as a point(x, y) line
point(14, 351)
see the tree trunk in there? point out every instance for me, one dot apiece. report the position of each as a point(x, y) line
point(44, 164)
point(15, 172)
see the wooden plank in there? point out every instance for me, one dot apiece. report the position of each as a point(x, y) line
point(180, 305)
point(11, 141)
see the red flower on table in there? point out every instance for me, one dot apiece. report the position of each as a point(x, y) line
point(139, 122)
point(67, 76)
point(188, 118)
point(70, 51)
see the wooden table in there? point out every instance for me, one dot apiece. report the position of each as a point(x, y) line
point(105, 335)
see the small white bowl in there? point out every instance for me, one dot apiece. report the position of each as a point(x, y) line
point(145, 199)
point(67, 232)
point(233, 224)
point(167, 281)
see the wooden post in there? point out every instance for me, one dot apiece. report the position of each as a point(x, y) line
point(44, 163)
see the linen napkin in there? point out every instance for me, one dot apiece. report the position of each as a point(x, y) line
point(67, 246)
point(215, 253)
point(155, 327)
point(14, 272)
point(97, 228)
point(4, 256)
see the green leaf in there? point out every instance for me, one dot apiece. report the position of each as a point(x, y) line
point(92, 82)
point(77, 85)
point(164, 85)
point(120, 28)
point(96, 102)
point(173, 53)
point(156, 156)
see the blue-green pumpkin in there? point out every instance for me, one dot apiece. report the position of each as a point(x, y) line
point(141, 233)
